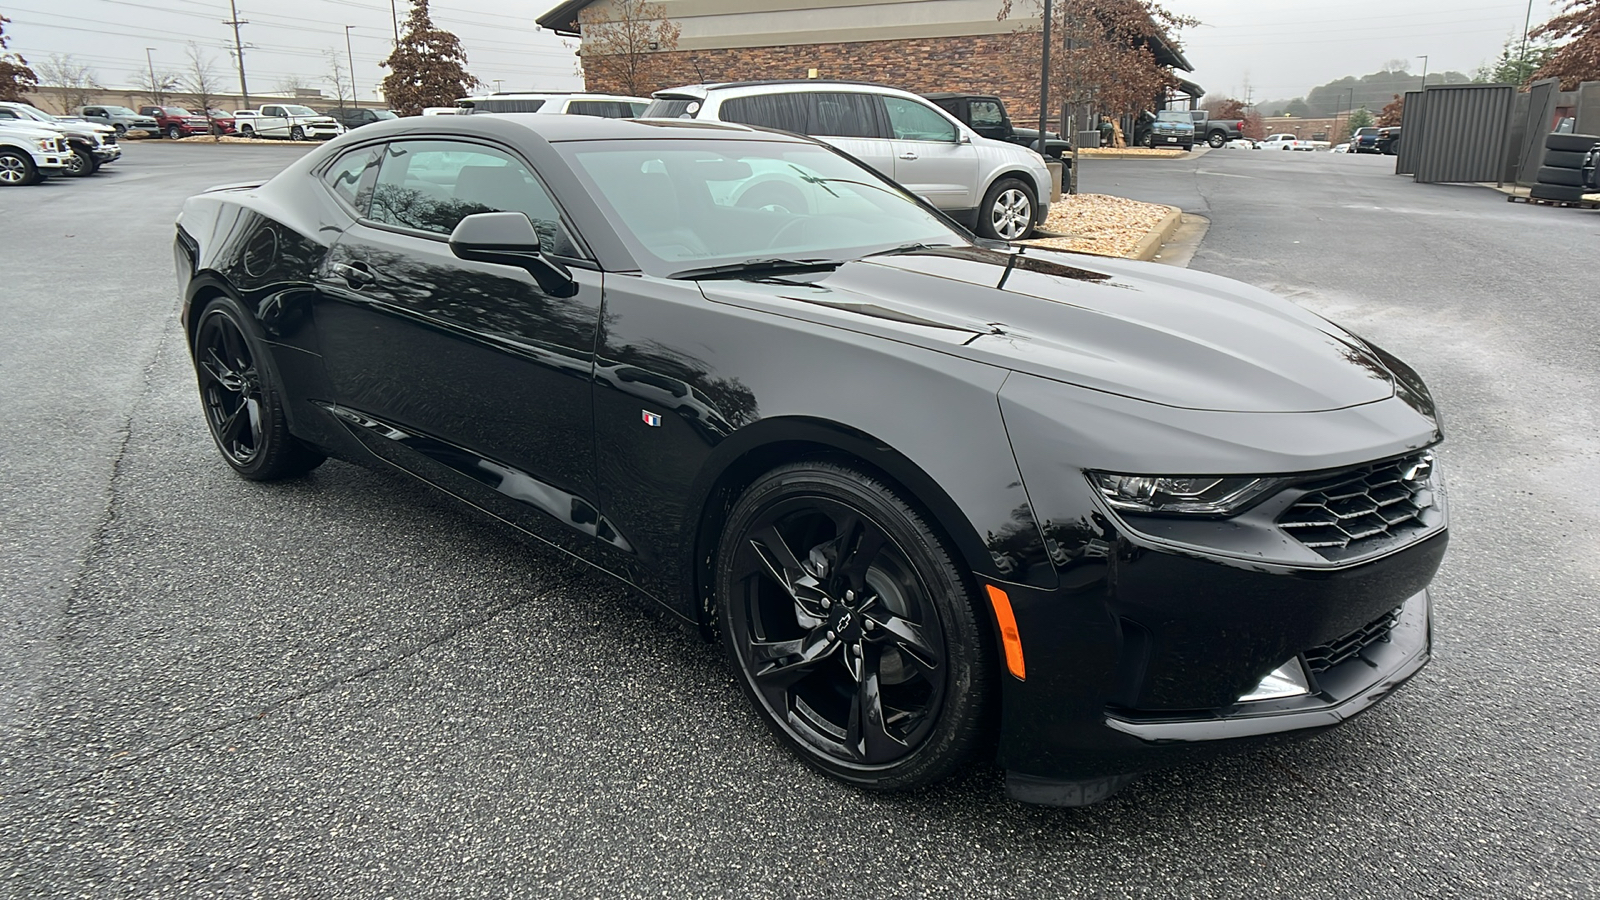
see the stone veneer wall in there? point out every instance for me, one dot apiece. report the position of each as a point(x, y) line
point(986, 64)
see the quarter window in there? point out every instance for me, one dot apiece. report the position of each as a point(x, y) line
point(605, 109)
point(986, 114)
point(914, 122)
point(350, 177)
point(825, 114)
point(432, 185)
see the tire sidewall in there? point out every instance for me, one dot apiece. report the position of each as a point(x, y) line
point(992, 196)
point(961, 718)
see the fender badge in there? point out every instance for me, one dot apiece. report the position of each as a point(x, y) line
point(651, 419)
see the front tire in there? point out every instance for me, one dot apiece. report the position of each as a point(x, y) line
point(1007, 211)
point(174, 132)
point(297, 133)
point(1216, 140)
point(243, 407)
point(851, 627)
point(80, 164)
point(17, 169)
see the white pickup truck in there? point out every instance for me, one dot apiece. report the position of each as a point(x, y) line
point(1286, 142)
point(286, 120)
point(28, 155)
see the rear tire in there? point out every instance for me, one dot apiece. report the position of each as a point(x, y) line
point(247, 131)
point(240, 397)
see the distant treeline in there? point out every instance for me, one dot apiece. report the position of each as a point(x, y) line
point(1371, 91)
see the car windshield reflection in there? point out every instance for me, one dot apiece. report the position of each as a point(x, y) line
point(727, 202)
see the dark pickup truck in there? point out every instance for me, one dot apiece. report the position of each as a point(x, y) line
point(986, 114)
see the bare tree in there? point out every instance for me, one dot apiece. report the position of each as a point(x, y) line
point(157, 88)
point(201, 81)
point(338, 78)
point(621, 43)
point(76, 82)
point(292, 85)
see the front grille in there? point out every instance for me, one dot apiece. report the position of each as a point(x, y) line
point(109, 138)
point(1325, 657)
point(1363, 510)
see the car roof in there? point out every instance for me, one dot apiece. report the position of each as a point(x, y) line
point(550, 95)
point(700, 91)
point(557, 129)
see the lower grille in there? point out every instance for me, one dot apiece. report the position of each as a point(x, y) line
point(1325, 657)
point(1360, 511)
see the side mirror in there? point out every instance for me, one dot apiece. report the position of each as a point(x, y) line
point(963, 138)
point(508, 239)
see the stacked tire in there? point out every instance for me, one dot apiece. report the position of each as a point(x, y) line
point(1561, 174)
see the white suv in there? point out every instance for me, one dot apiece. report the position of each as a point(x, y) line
point(606, 106)
point(1000, 189)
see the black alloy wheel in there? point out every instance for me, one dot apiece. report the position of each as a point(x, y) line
point(852, 630)
point(297, 133)
point(17, 169)
point(80, 162)
point(242, 405)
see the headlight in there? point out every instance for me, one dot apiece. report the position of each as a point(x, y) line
point(48, 145)
point(1199, 495)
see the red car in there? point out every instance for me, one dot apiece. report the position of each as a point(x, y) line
point(177, 122)
point(222, 121)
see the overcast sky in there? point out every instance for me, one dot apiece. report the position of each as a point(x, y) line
point(1280, 48)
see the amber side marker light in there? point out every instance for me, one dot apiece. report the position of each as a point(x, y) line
point(1009, 638)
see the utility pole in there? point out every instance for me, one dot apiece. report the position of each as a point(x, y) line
point(394, 13)
point(1424, 59)
point(352, 58)
point(1044, 77)
point(159, 97)
point(238, 47)
point(1522, 56)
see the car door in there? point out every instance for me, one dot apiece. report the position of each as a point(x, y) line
point(931, 157)
point(466, 373)
point(273, 122)
point(96, 114)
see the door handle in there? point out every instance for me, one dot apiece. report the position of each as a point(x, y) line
point(908, 155)
point(358, 275)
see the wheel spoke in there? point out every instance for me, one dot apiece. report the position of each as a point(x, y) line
point(782, 566)
point(778, 664)
point(229, 429)
point(857, 545)
point(867, 737)
point(219, 370)
point(908, 637)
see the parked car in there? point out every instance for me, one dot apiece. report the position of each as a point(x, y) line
point(986, 115)
point(932, 495)
point(1365, 140)
point(1243, 144)
point(1286, 142)
point(441, 111)
point(120, 118)
point(1341, 148)
point(1171, 127)
point(353, 117)
point(28, 155)
point(92, 144)
point(999, 189)
point(1388, 142)
point(608, 106)
point(286, 120)
point(176, 122)
point(1215, 132)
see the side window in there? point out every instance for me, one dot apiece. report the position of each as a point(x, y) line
point(845, 114)
point(788, 112)
point(605, 109)
point(350, 178)
point(986, 114)
point(914, 122)
point(432, 185)
point(271, 111)
point(8, 114)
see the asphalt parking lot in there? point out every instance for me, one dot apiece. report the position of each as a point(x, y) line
point(342, 687)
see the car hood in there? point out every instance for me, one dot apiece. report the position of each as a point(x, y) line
point(1141, 330)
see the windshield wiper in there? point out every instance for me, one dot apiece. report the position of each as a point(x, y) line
point(912, 247)
point(758, 266)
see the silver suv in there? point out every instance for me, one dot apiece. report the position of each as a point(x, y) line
point(1000, 190)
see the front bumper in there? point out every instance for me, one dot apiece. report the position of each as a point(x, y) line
point(108, 152)
point(323, 132)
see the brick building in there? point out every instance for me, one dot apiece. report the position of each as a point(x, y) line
point(918, 45)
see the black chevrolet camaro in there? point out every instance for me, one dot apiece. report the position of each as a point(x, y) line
point(940, 499)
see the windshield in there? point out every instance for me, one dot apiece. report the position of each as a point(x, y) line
point(695, 204)
point(120, 111)
point(299, 110)
point(384, 114)
point(176, 111)
point(1173, 115)
point(30, 112)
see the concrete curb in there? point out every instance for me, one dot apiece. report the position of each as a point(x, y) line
point(1150, 244)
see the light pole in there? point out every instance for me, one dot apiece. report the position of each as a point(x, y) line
point(394, 13)
point(1424, 59)
point(1044, 76)
point(1522, 56)
point(154, 88)
point(352, 58)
